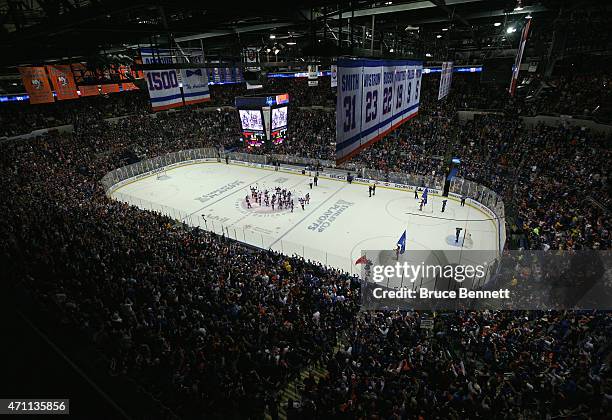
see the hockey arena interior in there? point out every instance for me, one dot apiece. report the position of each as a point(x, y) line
point(306, 209)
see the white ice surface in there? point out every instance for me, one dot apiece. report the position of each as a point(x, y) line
point(340, 221)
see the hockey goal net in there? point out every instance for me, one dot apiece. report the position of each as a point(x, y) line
point(468, 242)
point(161, 175)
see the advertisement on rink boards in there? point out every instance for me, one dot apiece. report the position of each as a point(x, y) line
point(374, 98)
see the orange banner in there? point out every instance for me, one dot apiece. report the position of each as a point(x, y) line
point(138, 74)
point(63, 81)
point(110, 88)
point(89, 90)
point(129, 86)
point(36, 84)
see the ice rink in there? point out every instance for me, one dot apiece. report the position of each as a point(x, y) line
point(340, 221)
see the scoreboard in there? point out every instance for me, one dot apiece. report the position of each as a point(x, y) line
point(374, 98)
point(263, 118)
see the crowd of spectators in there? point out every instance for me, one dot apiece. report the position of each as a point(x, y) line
point(22, 118)
point(487, 364)
point(202, 322)
point(303, 95)
point(139, 137)
point(577, 94)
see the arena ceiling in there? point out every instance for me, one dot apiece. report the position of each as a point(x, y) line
point(35, 31)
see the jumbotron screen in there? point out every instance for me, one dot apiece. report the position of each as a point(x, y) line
point(279, 125)
point(251, 119)
point(279, 117)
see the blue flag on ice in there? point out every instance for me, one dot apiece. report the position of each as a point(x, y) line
point(402, 242)
point(424, 196)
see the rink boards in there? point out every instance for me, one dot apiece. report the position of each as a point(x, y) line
point(340, 221)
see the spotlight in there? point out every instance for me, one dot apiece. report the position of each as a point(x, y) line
point(445, 29)
point(291, 43)
point(438, 36)
point(391, 50)
point(528, 16)
point(497, 24)
point(272, 36)
point(428, 55)
point(510, 30)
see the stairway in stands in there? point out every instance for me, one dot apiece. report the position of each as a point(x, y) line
point(294, 389)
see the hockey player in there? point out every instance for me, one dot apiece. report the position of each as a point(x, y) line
point(457, 233)
point(421, 205)
point(307, 198)
point(444, 205)
point(416, 193)
point(373, 189)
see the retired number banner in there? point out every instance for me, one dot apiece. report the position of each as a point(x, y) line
point(446, 77)
point(374, 98)
point(164, 89)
